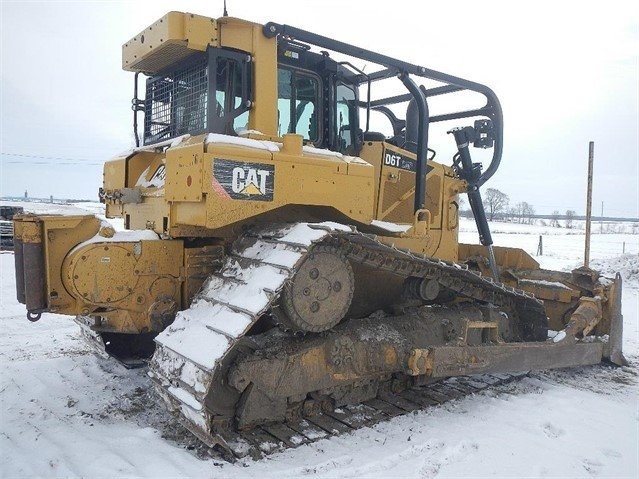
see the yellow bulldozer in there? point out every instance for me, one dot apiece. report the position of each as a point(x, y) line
point(278, 255)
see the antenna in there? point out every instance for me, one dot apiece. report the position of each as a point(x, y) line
point(226, 14)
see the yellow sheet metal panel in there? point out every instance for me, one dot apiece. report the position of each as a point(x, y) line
point(151, 214)
point(114, 174)
point(200, 31)
point(130, 175)
point(183, 181)
point(237, 33)
point(373, 152)
point(187, 214)
point(319, 179)
point(358, 169)
point(264, 116)
point(427, 245)
point(173, 37)
point(241, 183)
point(114, 179)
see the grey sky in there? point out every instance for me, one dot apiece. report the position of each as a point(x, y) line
point(565, 72)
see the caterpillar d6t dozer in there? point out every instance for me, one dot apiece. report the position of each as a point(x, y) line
point(279, 256)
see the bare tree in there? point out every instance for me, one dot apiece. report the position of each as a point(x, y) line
point(525, 212)
point(570, 216)
point(554, 219)
point(529, 213)
point(495, 202)
point(519, 211)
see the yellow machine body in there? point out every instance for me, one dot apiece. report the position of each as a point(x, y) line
point(257, 207)
point(211, 186)
point(198, 193)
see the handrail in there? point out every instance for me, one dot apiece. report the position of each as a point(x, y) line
point(492, 109)
point(422, 141)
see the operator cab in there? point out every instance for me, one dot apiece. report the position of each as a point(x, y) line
point(211, 89)
point(316, 98)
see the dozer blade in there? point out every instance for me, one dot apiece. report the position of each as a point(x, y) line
point(579, 303)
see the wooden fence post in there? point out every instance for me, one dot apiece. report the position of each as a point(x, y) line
point(540, 246)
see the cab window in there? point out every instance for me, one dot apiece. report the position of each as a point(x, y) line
point(345, 110)
point(228, 94)
point(298, 104)
point(208, 92)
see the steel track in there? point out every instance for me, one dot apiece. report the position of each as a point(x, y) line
point(523, 307)
point(268, 439)
point(193, 349)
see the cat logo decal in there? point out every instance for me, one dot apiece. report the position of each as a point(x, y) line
point(239, 180)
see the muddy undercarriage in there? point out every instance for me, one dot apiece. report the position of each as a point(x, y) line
point(224, 380)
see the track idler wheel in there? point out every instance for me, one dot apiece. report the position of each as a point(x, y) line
point(319, 294)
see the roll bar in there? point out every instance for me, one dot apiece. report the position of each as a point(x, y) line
point(394, 67)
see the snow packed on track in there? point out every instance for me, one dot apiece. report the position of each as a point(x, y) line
point(69, 413)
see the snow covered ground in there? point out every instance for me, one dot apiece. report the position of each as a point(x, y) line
point(68, 413)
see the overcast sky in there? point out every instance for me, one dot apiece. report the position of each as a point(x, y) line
point(566, 73)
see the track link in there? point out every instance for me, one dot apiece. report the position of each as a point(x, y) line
point(230, 303)
point(272, 438)
point(193, 349)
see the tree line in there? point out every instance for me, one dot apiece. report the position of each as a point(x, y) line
point(498, 208)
